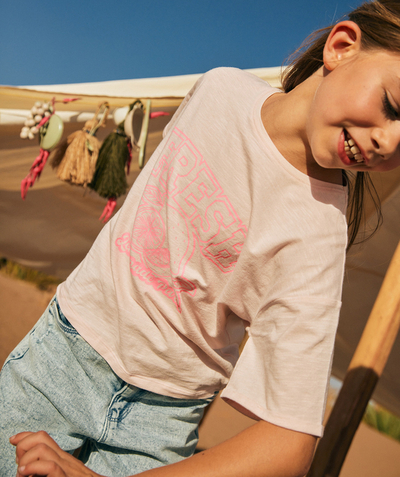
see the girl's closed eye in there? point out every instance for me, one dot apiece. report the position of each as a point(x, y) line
point(389, 110)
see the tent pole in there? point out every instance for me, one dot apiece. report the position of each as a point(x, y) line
point(364, 371)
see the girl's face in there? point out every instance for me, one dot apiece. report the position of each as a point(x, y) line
point(354, 119)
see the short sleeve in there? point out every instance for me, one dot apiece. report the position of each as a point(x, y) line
point(283, 371)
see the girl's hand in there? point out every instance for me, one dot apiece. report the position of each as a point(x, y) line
point(38, 455)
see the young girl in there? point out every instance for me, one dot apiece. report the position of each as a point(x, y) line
point(237, 221)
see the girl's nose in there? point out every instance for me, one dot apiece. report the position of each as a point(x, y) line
point(386, 141)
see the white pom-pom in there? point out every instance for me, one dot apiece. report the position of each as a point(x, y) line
point(40, 111)
point(34, 110)
point(47, 114)
point(38, 118)
point(31, 135)
point(25, 128)
point(38, 104)
point(23, 134)
point(34, 130)
point(46, 106)
point(29, 122)
point(30, 115)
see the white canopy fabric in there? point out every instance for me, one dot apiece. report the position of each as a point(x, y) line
point(54, 227)
point(167, 87)
point(15, 103)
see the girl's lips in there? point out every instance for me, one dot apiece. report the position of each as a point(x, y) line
point(342, 153)
point(345, 136)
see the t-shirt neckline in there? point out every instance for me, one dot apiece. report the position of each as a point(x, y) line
point(264, 137)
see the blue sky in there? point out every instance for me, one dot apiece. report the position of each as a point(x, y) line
point(50, 42)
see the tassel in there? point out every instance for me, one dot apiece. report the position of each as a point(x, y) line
point(34, 172)
point(50, 127)
point(109, 179)
point(115, 155)
point(108, 210)
point(75, 158)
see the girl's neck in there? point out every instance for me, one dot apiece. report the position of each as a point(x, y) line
point(284, 116)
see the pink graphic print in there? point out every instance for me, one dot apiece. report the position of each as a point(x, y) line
point(183, 193)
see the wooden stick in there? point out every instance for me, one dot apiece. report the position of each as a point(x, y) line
point(143, 134)
point(364, 371)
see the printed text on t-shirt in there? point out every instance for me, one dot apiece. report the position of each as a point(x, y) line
point(183, 211)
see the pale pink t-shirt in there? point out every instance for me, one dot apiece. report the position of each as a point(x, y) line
point(219, 233)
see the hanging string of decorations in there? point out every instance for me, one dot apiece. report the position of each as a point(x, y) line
point(80, 159)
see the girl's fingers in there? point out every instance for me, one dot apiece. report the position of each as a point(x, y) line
point(32, 438)
point(39, 455)
point(27, 440)
point(15, 439)
point(38, 460)
point(40, 452)
point(41, 468)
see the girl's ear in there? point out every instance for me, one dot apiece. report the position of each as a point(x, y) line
point(343, 42)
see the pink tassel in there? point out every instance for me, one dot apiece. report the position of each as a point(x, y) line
point(108, 210)
point(34, 172)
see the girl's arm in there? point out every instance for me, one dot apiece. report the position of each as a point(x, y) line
point(262, 450)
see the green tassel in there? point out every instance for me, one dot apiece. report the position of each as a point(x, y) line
point(109, 179)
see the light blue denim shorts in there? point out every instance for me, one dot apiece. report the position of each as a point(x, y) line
point(55, 381)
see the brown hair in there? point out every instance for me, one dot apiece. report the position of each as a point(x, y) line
point(379, 22)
